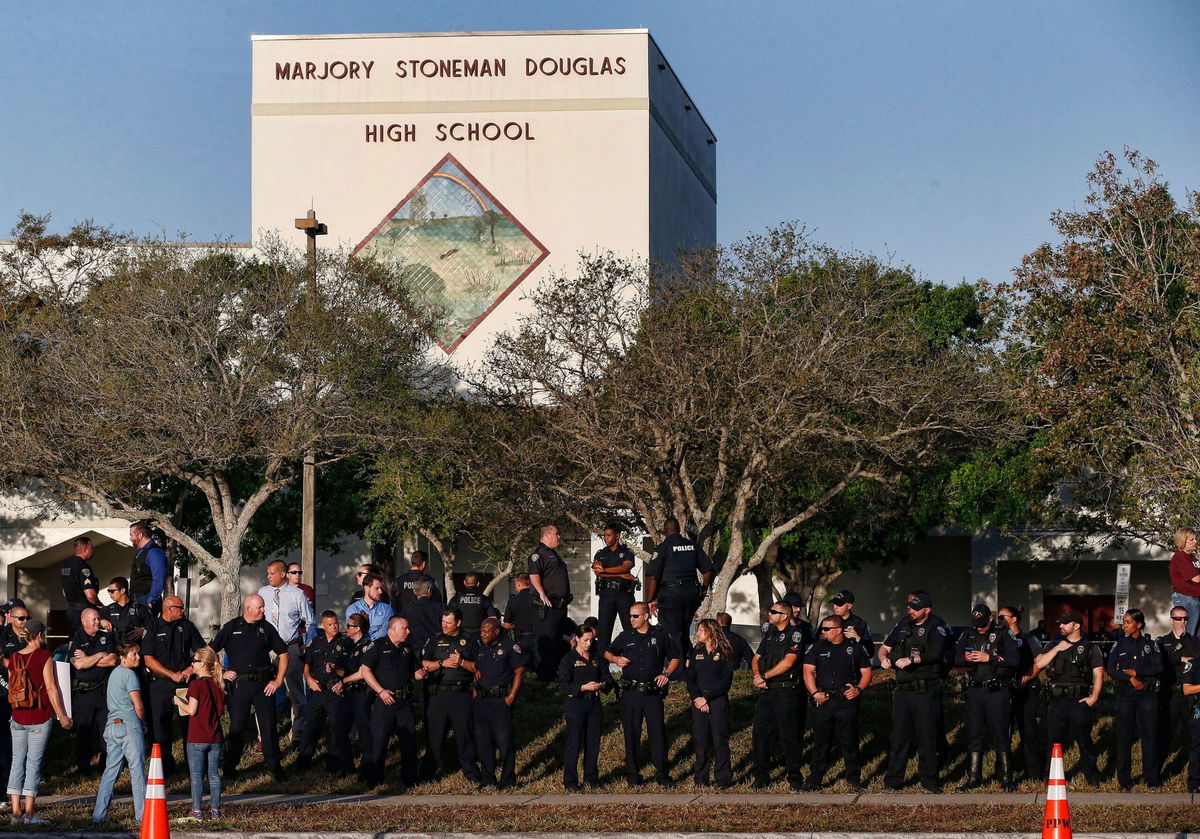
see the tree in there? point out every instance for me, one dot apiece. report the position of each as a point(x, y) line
point(129, 368)
point(1106, 328)
point(776, 363)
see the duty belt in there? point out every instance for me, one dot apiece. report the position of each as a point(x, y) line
point(1150, 683)
point(649, 688)
point(1069, 691)
point(456, 687)
point(684, 581)
point(401, 693)
point(918, 685)
point(85, 687)
point(258, 674)
point(498, 690)
point(355, 687)
point(990, 684)
point(615, 584)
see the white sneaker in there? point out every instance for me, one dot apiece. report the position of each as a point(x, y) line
point(17, 820)
point(36, 819)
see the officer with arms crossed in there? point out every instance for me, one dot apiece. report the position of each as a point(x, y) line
point(499, 667)
point(836, 672)
point(990, 655)
point(779, 714)
point(672, 589)
point(391, 668)
point(167, 652)
point(915, 646)
point(93, 656)
point(1075, 669)
point(647, 656)
point(613, 567)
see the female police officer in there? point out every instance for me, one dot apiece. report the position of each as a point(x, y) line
point(1134, 664)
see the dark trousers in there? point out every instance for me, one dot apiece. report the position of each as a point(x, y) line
point(1026, 704)
point(636, 707)
point(677, 606)
point(1070, 721)
point(613, 605)
point(248, 696)
point(585, 717)
point(494, 734)
point(548, 642)
point(710, 732)
point(778, 719)
point(5, 735)
point(836, 719)
point(160, 716)
point(915, 723)
point(89, 711)
point(1137, 717)
point(325, 705)
point(1174, 715)
point(451, 708)
point(1193, 767)
point(356, 716)
point(387, 720)
point(988, 712)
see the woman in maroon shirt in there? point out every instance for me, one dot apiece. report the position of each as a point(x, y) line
point(1185, 577)
point(31, 725)
point(204, 704)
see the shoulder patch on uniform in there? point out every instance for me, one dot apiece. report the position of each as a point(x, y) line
point(766, 625)
point(368, 646)
point(516, 648)
point(534, 556)
point(1187, 667)
point(797, 636)
point(942, 629)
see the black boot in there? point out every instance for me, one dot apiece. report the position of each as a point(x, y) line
point(974, 773)
point(1003, 773)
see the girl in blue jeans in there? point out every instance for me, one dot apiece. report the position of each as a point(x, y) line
point(123, 734)
point(204, 704)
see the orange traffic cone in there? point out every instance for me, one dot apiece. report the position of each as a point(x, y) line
point(154, 814)
point(1057, 824)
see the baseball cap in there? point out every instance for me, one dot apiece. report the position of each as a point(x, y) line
point(794, 598)
point(34, 627)
point(920, 600)
point(980, 615)
point(842, 597)
point(12, 603)
point(1071, 616)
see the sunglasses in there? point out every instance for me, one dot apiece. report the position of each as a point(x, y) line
point(297, 573)
point(912, 605)
point(1180, 618)
point(777, 612)
point(636, 615)
point(112, 590)
point(20, 617)
point(829, 628)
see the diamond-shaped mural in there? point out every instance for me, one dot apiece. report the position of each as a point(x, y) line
point(456, 247)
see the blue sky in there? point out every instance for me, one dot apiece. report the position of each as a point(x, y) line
point(943, 133)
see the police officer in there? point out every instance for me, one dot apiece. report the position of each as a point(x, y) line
point(499, 667)
point(990, 655)
point(836, 672)
point(79, 586)
point(798, 604)
point(1174, 709)
point(647, 656)
point(390, 669)
point(672, 589)
point(148, 572)
point(1134, 664)
point(915, 647)
point(519, 619)
point(473, 604)
point(1075, 672)
point(444, 659)
point(615, 583)
point(1026, 699)
point(167, 652)
point(93, 656)
point(742, 653)
point(356, 696)
point(1189, 678)
point(252, 680)
point(326, 659)
point(424, 615)
point(401, 590)
point(583, 675)
point(779, 713)
point(854, 627)
point(709, 674)
point(127, 619)
point(552, 593)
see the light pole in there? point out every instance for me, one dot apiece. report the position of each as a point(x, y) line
point(312, 229)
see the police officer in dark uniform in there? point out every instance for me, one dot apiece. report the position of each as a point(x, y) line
point(79, 585)
point(1075, 671)
point(252, 680)
point(127, 619)
point(916, 646)
point(779, 713)
point(401, 590)
point(836, 672)
point(854, 627)
point(1135, 665)
point(552, 593)
point(356, 695)
point(424, 615)
point(449, 701)
point(391, 668)
point(742, 652)
point(990, 655)
point(798, 604)
point(167, 652)
point(1174, 709)
point(473, 604)
point(583, 675)
point(647, 656)
point(672, 589)
point(709, 674)
point(1026, 701)
point(615, 583)
point(93, 655)
point(499, 666)
point(326, 659)
point(519, 618)
point(1189, 679)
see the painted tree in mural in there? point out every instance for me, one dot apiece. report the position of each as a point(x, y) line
point(1106, 324)
point(131, 369)
point(776, 365)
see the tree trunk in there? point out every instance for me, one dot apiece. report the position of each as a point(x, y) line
point(228, 570)
point(765, 573)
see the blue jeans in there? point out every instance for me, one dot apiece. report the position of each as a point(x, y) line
point(28, 748)
point(204, 757)
point(1191, 605)
point(125, 746)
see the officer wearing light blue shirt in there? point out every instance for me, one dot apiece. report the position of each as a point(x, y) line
point(377, 612)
